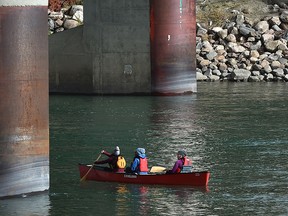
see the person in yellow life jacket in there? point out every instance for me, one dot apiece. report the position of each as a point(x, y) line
point(115, 160)
point(182, 160)
point(140, 162)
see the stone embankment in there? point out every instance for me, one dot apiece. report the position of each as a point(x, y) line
point(67, 18)
point(241, 50)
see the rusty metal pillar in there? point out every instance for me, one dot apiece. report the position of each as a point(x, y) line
point(173, 46)
point(24, 111)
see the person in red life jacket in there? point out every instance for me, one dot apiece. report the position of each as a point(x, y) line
point(112, 158)
point(182, 160)
point(140, 162)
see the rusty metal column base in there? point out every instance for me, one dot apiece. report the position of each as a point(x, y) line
point(24, 110)
point(173, 46)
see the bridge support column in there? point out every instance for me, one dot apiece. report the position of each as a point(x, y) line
point(173, 46)
point(24, 111)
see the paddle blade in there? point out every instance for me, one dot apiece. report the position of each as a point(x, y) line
point(84, 177)
point(155, 169)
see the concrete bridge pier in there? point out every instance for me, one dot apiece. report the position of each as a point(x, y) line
point(124, 47)
point(24, 110)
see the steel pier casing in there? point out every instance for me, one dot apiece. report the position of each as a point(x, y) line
point(173, 46)
point(24, 106)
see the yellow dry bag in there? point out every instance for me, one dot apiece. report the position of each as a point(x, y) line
point(121, 162)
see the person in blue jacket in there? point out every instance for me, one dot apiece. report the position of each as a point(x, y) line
point(140, 162)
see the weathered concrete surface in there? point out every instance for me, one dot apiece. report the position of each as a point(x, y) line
point(109, 55)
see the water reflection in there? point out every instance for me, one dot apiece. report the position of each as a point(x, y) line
point(122, 204)
point(175, 125)
point(158, 200)
point(36, 205)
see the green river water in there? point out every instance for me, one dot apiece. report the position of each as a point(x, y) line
point(237, 131)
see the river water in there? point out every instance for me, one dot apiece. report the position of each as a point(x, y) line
point(237, 131)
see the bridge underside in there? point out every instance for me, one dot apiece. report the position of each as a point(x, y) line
point(127, 47)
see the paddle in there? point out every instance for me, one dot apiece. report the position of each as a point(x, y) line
point(84, 177)
point(155, 169)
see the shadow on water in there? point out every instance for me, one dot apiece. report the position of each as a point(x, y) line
point(147, 199)
point(26, 205)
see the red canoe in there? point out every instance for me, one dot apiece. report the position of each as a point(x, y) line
point(98, 173)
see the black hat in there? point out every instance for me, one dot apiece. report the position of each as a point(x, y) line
point(182, 153)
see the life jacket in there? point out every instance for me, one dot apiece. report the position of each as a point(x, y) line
point(143, 166)
point(187, 161)
point(187, 165)
point(121, 162)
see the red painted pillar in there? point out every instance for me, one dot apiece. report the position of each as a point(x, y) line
point(24, 111)
point(173, 46)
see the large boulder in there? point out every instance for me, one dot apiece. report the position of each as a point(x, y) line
point(240, 75)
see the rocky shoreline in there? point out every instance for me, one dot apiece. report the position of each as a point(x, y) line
point(244, 51)
point(240, 50)
point(66, 18)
